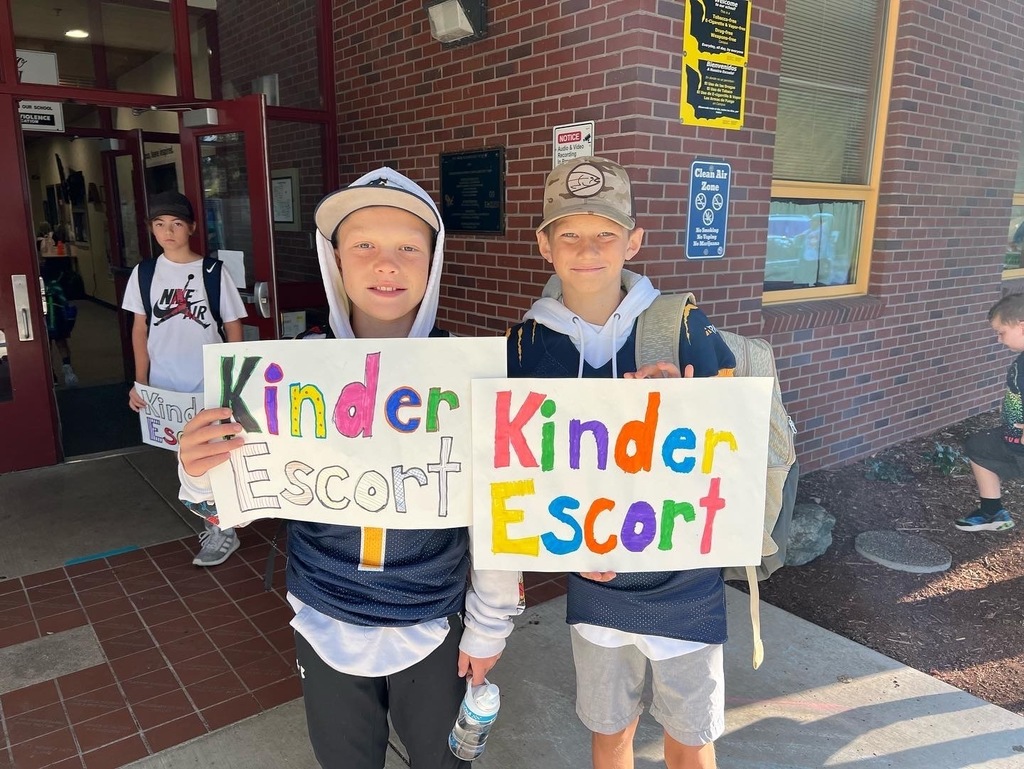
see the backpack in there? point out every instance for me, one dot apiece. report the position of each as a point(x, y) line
point(212, 269)
point(657, 339)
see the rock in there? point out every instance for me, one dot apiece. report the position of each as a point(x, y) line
point(810, 533)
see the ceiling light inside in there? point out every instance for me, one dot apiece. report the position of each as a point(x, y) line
point(77, 34)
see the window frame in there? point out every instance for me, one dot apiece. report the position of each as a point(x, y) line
point(1018, 272)
point(867, 194)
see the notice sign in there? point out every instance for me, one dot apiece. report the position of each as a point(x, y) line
point(165, 415)
point(708, 216)
point(715, 49)
point(350, 431)
point(619, 475)
point(572, 141)
point(39, 67)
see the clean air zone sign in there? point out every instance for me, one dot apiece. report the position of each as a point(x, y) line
point(709, 209)
point(572, 141)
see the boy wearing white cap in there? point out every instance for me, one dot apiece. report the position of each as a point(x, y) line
point(621, 624)
point(390, 640)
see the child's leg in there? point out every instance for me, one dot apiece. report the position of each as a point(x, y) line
point(613, 751)
point(988, 482)
point(346, 715)
point(689, 702)
point(425, 700)
point(680, 756)
point(609, 683)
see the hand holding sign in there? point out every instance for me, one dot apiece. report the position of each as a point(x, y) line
point(207, 441)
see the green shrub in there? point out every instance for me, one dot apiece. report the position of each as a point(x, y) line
point(949, 459)
point(882, 470)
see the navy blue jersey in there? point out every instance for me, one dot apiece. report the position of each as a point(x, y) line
point(688, 605)
point(377, 577)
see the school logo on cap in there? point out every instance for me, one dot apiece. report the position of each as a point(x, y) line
point(584, 181)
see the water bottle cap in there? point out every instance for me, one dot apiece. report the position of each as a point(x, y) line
point(487, 697)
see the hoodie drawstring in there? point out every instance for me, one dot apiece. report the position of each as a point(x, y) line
point(615, 353)
point(577, 322)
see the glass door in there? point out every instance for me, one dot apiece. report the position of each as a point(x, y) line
point(224, 156)
point(128, 240)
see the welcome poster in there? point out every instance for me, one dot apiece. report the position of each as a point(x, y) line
point(361, 432)
point(619, 475)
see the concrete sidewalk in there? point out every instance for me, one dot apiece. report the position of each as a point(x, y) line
point(818, 700)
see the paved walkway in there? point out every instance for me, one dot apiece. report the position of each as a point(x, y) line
point(141, 657)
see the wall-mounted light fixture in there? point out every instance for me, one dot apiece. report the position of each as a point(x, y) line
point(457, 21)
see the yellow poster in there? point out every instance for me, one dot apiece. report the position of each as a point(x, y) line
point(716, 44)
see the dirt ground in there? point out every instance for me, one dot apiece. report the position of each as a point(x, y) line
point(964, 626)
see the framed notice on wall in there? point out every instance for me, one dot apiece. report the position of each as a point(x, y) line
point(473, 191)
point(284, 197)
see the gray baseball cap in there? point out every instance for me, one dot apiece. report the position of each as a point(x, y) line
point(589, 186)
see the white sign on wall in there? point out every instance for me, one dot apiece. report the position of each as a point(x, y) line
point(572, 141)
point(39, 67)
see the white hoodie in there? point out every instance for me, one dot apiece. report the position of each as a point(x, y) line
point(597, 344)
point(494, 597)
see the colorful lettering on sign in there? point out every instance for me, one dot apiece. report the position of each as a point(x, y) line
point(634, 442)
point(354, 410)
point(640, 525)
point(635, 525)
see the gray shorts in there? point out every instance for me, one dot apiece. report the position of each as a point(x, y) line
point(689, 690)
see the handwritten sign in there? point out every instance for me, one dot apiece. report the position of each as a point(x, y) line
point(361, 432)
point(165, 415)
point(619, 475)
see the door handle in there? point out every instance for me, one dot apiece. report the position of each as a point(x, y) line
point(261, 296)
point(21, 307)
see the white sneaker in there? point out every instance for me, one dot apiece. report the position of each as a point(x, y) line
point(218, 545)
point(70, 377)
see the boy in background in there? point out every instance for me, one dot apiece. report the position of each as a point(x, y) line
point(168, 347)
point(392, 640)
point(998, 454)
point(585, 326)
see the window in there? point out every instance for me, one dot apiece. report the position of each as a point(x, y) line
point(833, 85)
point(1013, 264)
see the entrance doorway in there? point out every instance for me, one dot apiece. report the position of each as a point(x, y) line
point(86, 191)
point(135, 99)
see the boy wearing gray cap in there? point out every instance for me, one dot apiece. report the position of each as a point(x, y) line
point(621, 624)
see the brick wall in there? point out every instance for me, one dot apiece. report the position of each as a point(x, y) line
point(860, 373)
point(918, 354)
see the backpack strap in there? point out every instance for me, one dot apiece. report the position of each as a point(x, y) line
point(657, 338)
point(659, 328)
point(212, 269)
point(147, 269)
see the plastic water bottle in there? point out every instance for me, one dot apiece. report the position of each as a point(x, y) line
point(477, 714)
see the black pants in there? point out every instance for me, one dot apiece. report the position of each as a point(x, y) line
point(347, 716)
